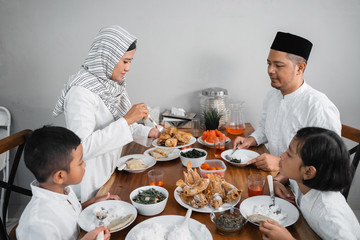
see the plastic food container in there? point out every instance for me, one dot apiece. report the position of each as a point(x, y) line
point(213, 163)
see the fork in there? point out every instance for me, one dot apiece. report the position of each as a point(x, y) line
point(159, 127)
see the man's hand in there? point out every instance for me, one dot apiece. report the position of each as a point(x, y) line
point(266, 162)
point(281, 191)
point(241, 142)
point(136, 112)
point(272, 230)
point(154, 133)
point(93, 234)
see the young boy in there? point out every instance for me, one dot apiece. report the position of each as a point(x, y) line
point(54, 156)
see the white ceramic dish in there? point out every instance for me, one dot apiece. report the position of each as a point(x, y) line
point(149, 161)
point(206, 209)
point(149, 209)
point(192, 141)
point(197, 229)
point(209, 145)
point(195, 162)
point(175, 154)
point(88, 221)
point(247, 208)
point(243, 154)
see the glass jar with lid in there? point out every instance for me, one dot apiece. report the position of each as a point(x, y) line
point(214, 99)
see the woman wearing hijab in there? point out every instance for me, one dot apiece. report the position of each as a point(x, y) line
point(97, 108)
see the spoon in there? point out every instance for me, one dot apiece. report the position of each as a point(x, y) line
point(271, 189)
point(229, 156)
point(183, 229)
point(101, 216)
point(121, 167)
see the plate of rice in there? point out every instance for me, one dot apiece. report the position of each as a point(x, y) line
point(256, 209)
point(159, 228)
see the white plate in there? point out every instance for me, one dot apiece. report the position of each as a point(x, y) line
point(243, 154)
point(149, 161)
point(175, 154)
point(247, 208)
point(192, 141)
point(88, 221)
point(209, 145)
point(197, 229)
point(206, 209)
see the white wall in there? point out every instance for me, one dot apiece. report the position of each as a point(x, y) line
point(183, 47)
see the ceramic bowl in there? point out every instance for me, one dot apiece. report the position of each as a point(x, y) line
point(149, 209)
point(195, 162)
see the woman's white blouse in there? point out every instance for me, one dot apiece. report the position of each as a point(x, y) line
point(102, 137)
point(50, 215)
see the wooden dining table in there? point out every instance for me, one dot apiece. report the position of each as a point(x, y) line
point(122, 183)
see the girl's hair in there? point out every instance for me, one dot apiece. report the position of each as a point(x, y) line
point(325, 150)
point(49, 149)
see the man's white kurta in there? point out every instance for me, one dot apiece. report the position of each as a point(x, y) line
point(327, 213)
point(50, 215)
point(101, 136)
point(282, 116)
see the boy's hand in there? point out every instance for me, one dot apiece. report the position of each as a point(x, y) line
point(99, 199)
point(273, 230)
point(93, 234)
point(106, 197)
point(281, 191)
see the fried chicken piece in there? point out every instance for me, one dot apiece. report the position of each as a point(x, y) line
point(231, 193)
point(183, 137)
point(171, 142)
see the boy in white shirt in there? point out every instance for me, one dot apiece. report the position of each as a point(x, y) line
point(54, 156)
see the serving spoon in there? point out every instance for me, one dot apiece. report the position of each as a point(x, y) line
point(183, 229)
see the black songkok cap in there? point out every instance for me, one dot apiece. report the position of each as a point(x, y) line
point(293, 44)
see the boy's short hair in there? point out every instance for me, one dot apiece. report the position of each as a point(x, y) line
point(49, 149)
point(325, 150)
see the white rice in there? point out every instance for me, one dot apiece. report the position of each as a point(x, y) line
point(153, 231)
point(270, 212)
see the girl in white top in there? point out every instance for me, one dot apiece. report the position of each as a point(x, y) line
point(97, 108)
point(318, 166)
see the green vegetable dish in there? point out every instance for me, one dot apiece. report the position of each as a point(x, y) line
point(149, 196)
point(193, 154)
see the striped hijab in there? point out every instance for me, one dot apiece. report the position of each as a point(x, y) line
point(107, 49)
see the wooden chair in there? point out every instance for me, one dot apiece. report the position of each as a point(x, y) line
point(16, 140)
point(352, 134)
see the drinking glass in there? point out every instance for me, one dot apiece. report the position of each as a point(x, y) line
point(235, 123)
point(156, 177)
point(219, 146)
point(196, 130)
point(255, 185)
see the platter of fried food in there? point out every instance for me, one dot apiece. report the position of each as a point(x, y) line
point(202, 195)
point(163, 154)
point(136, 163)
point(174, 138)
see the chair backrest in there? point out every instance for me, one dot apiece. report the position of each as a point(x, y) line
point(16, 140)
point(352, 134)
